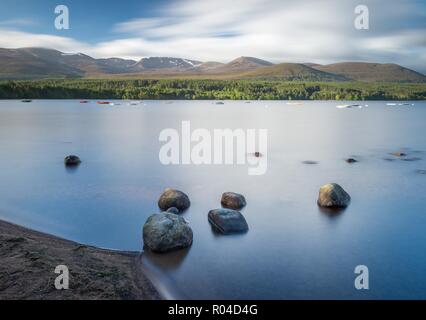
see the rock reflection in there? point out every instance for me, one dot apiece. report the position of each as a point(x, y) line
point(165, 261)
point(333, 212)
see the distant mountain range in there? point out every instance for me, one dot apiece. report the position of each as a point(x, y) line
point(41, 63)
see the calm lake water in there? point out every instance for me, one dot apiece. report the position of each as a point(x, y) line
point(293, 249)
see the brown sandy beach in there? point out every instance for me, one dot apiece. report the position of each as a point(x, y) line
point(28, 259)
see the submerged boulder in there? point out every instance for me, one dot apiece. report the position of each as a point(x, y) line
point(309, 162)
point(227, 221)
point(333, 195)
point(173, 198)
point(233, 200)
point(256, 154)
point(72, 161)
point(399, 154)
point(351, 160)
point(166, 231)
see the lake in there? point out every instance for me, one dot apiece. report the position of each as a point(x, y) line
point(293, 249)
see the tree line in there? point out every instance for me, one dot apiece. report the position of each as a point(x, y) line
point(209, 89)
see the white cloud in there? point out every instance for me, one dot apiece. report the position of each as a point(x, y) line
point(18, 39)
point(278, 30)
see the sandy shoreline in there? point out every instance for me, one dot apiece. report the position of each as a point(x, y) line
point(28, 259)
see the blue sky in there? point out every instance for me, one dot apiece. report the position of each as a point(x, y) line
point(89, 19)
point(220, 30)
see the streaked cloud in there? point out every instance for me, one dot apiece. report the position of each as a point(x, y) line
point(20, 22)
point(277, 30)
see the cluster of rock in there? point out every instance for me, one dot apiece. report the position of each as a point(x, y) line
point(228, 220)
point(167, 230)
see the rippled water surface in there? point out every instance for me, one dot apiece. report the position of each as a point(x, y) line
point(293, 249)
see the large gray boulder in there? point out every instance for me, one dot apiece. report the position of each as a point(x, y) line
point(166, 231)
point(227, 221)
point(232, 200)
point(173, 198)
point(333, 195)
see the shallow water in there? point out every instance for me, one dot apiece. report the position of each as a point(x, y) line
point(293, 249)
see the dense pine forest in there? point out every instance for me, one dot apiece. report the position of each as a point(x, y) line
point(209, 89)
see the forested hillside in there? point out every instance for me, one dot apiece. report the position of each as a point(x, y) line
point(209, 89)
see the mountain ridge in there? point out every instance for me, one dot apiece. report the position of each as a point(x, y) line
point(41, 63)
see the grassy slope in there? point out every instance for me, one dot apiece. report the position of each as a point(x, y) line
point(373, 72)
